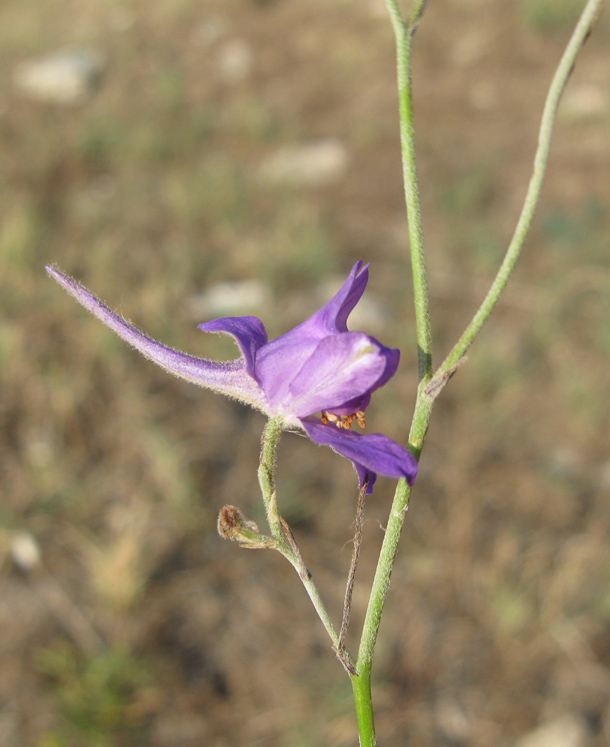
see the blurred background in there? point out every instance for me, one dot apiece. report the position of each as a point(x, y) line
point(188, 160)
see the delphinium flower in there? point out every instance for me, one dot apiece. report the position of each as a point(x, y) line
point(317, 378)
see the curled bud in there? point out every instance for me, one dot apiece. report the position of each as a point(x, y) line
point(233, 525)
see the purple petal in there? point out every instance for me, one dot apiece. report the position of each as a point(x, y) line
point(392, 358)
point(365, 474)
point(288, 353)
point(230, 378)
point(371, 454)
point(249, 332)
point(343, 367)
point(332, 317)
point(352, 406)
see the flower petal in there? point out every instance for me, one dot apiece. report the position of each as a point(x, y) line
point(371, 454)
point(392, 358)
point(230, 378)
point(332, 317)
point(289, 352)
point(249, 332)
point(343, 367)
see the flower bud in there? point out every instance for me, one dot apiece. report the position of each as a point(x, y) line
point(233, 525)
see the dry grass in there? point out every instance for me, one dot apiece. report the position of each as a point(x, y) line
point(138, 625)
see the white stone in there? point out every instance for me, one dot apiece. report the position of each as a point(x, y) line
point(229, 299)
point(62, 78)
point(312, 164)
point(566, 731)
point(235, 60)
point(452, 720)
point(585, 101)
point(25, 551)
point(483, 95)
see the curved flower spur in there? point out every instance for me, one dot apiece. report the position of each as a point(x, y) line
point(317, 367)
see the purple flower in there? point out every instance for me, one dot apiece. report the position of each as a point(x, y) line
point(317, 367)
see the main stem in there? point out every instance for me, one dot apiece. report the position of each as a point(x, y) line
point(404, 32)
point(381, 582)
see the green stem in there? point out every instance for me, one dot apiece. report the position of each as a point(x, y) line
point(266, 477)
point(316, 599)
point(417, 11)
point(425, 399)
point(361, 686)
point(564, 69)
point(404, 33)
point(381, 582)
point(389, 546)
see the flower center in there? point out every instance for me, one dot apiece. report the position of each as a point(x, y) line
point(343, 421)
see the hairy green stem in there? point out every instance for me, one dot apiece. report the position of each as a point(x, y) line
point(389, 546)
point(280, 531)
point(266, 474)
point(316, 599)
point(361, 686)
point(417, 11)
point(404, 33)
point(426, 391)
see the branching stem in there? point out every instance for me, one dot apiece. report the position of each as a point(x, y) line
point(351, 576)
point(427, 391)
point(284, 538)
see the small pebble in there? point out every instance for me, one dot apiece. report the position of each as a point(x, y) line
point(235, 61)
point(585, 101)
point(312, 164)
point(25, 551)
point(229, 299)
point(62, 78)
point(566, 731)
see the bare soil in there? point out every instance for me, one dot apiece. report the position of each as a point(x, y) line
point(137, 624)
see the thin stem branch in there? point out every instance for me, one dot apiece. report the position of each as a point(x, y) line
point(291, 552)
point(404, 33)
point(351, 576)
point(564, 69)
point(417, 11)
point(296, 559)
point(285, 542)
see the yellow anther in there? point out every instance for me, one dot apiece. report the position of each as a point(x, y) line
point(343, 421)
point(347, 421)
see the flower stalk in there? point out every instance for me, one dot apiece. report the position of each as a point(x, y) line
point(266, 475)
point(285, 542)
